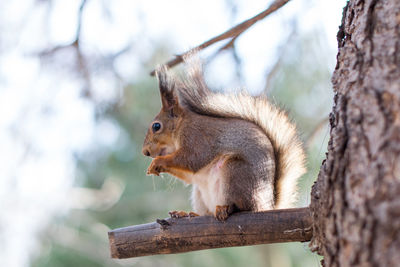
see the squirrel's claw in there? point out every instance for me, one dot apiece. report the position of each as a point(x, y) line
point(152, 171)
point(155, 168)
point(193, 214)
point(182, 214)
point(178, 214)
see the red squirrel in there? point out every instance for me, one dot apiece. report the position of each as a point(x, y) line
point(239, 152)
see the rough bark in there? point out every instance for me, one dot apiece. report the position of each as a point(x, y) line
point(356, 199)
point(204, 232)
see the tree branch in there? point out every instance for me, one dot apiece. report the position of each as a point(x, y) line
point(231, 33)
point(320, 125)
point(188, 234)
point(281, 57)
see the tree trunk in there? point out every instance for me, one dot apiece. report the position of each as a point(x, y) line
point(356, 199)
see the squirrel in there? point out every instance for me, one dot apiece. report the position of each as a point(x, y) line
point(239, 152)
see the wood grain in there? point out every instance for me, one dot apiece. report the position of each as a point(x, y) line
point(355, 202)
point(205, 232)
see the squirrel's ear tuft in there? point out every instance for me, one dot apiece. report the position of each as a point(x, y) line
point(166, 83)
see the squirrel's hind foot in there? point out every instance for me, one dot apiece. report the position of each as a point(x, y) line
point(222, 212)
point(182, 214)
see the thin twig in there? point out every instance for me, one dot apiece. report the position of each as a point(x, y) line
point(316, 130)
point(281, 56)
point(80, 13)
point(75, 42)
point(228, 45)
point(231, 33)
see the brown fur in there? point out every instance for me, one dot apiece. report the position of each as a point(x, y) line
point(239, 152)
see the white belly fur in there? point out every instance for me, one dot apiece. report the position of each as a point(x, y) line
point(210, 182)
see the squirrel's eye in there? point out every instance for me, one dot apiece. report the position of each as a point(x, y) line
point(156, 127)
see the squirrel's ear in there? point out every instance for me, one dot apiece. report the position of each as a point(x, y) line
point(166, 83)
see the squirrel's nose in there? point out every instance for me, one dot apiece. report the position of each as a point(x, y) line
point(146, 152)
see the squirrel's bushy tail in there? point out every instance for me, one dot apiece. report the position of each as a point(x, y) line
point(195, 95)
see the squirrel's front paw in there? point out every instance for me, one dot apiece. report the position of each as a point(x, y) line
point(155, 167)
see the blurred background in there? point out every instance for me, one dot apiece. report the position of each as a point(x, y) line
point(76, 99)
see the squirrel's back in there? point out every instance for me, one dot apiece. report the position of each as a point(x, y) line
point(195, 95)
